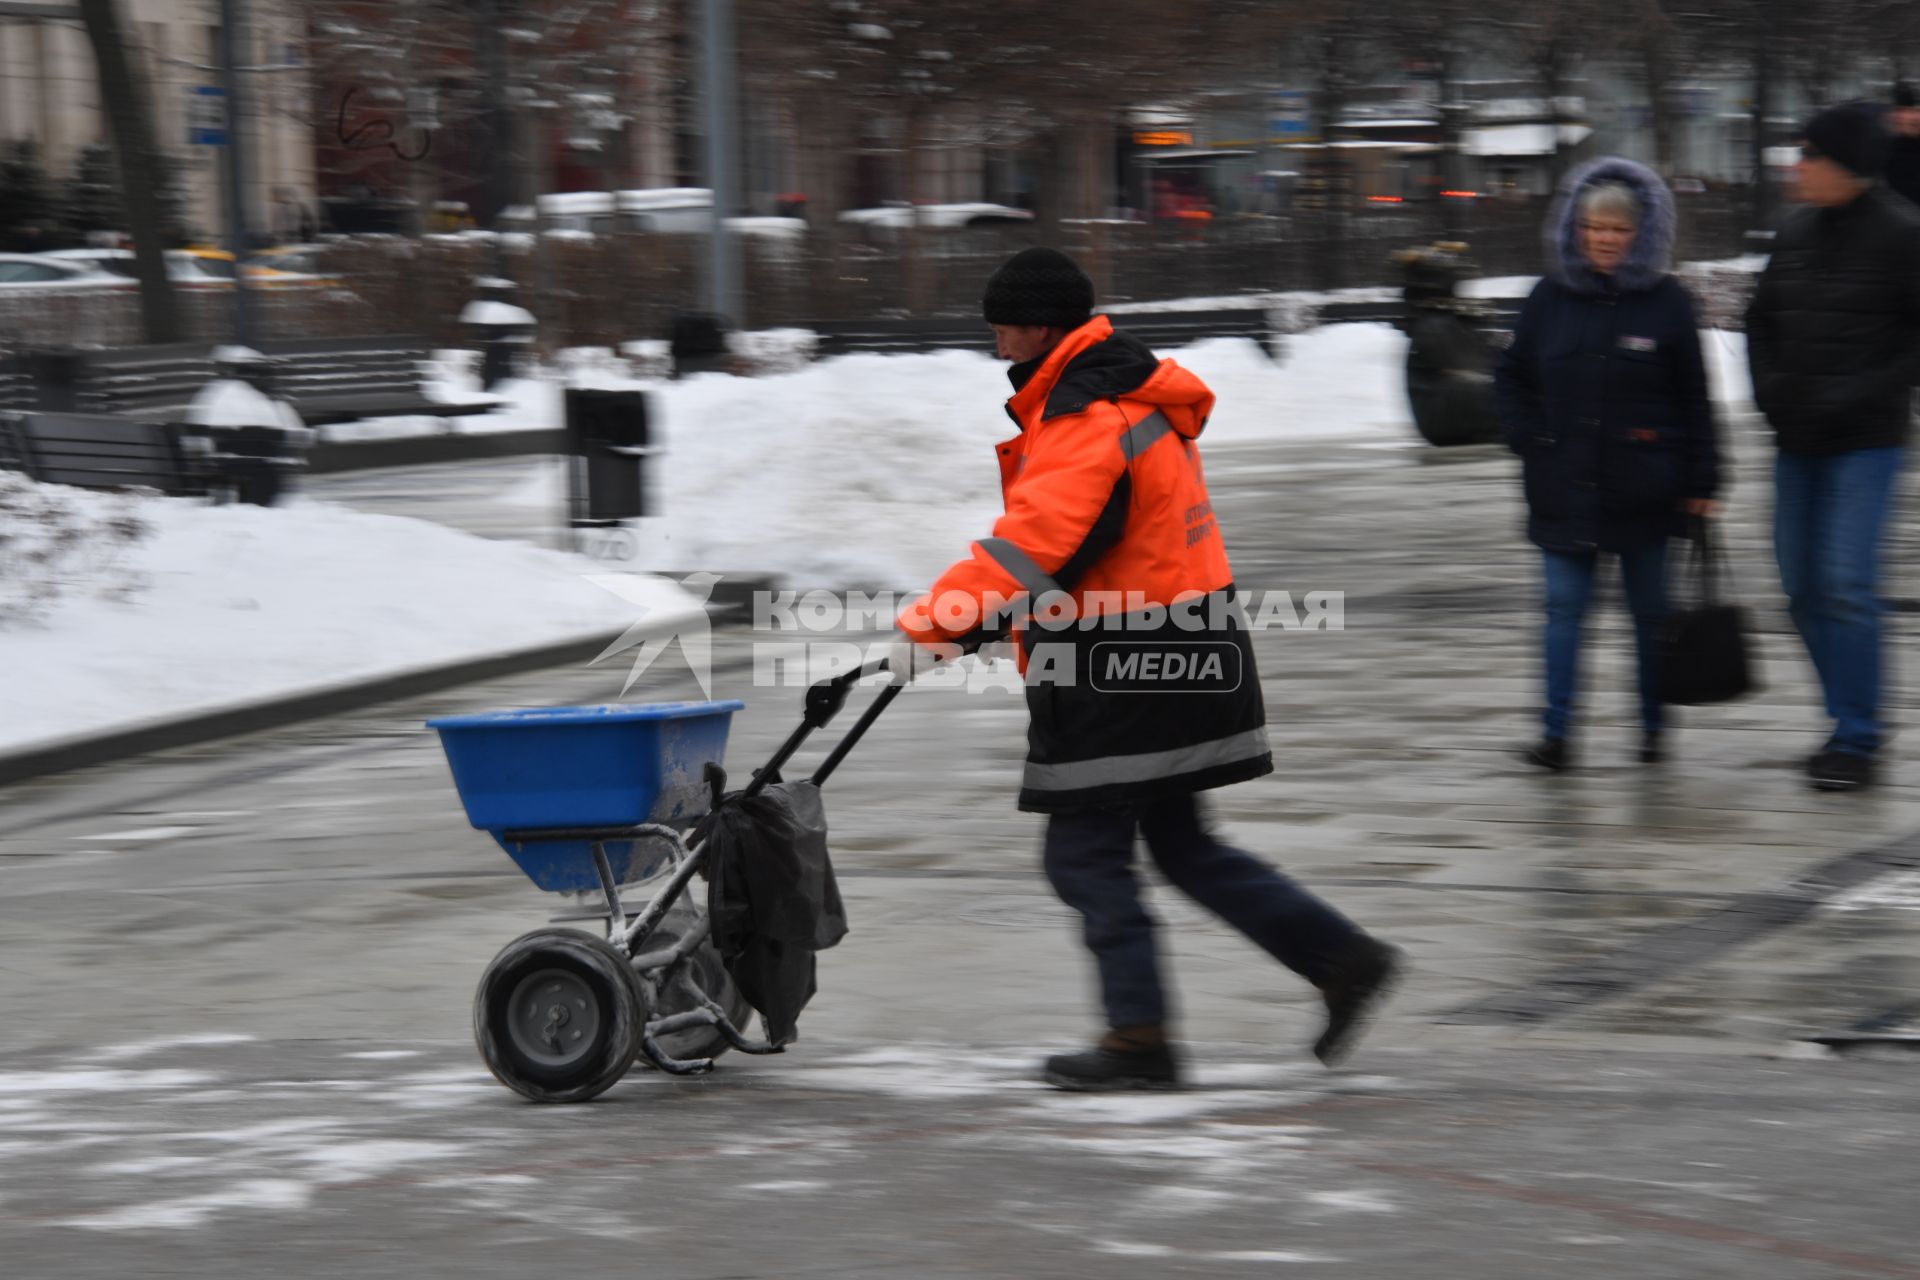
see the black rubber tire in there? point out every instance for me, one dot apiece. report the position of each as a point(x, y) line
point(710, 972)
point(578, 977)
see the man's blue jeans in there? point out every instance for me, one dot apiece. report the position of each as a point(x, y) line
point(1089, 860)
point(1643, 571)
point(1828, 519)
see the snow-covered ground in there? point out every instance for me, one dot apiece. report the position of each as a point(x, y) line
point(229, 604)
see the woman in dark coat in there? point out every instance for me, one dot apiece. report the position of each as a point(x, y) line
point(1603, 394)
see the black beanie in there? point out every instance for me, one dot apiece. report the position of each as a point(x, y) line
point(1854, 136)
point(1039, 287)
point(1904, 96)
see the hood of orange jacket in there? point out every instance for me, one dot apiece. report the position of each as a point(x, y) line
point(1096, 362)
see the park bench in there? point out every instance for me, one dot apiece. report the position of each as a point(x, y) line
point(107, 451)
point(1158, 329)
point(100, 451)
point(327, 380)
point(331, 380)
point(16, 385)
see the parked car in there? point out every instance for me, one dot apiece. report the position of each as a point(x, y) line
point(686, 210)
point(944, 216)
point(219, 263)
point(296, 262)
point(28, 270)
point(182, 268)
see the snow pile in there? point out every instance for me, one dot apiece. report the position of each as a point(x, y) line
point(1722, 290)
point(486, 311)
point(877, 471)
point(230, 402)
point(58, 543)
point(243, 602)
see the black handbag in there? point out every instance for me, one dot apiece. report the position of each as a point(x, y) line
point(1703, 650)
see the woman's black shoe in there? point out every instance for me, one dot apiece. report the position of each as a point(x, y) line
point(1549, 754)
point(1652, 751)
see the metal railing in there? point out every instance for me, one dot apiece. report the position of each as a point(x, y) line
point(600, 291)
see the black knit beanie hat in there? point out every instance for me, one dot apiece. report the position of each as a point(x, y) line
point(1852, 135)
point(1039, 287)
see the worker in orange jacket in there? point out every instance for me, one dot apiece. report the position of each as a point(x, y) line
point(1109, 570)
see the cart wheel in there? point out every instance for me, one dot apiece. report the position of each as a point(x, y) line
point(706, 968)
point(558, 1016)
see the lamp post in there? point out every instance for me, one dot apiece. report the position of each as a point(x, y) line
point(723, 264)
point(235, 168)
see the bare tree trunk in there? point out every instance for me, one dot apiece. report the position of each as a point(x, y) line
point(1657, 72)
point(913, 257)
point(129, 116)
point(1551, 68)
point(1335, 191)
point(1447, 209)
point(1762, 101)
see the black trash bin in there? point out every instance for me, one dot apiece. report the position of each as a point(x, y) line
point(55, 374)
point(699, 344)
point(610, 437)
point(244, 464)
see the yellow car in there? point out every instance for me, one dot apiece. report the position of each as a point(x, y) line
point(218, 262)
point(297, 261)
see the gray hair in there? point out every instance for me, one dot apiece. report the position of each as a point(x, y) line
point(1609, 198)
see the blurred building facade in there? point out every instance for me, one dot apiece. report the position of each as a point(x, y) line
point(50, 95)
point(395, 105)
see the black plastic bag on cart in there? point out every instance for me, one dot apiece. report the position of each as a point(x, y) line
point(771, 897)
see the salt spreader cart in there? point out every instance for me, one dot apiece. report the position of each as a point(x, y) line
point(586, 798)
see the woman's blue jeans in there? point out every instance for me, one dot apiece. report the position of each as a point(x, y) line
point(1643, 571)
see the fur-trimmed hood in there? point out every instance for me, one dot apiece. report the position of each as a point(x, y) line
point(1647, 261)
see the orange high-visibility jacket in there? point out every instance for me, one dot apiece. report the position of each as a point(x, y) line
point(1141, 679)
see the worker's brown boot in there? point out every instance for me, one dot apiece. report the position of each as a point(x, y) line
point(1125, 1058)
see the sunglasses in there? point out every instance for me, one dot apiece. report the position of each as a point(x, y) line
point(1810, 152)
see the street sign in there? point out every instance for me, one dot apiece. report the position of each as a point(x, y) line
point(206, 116)
point(1289, 116)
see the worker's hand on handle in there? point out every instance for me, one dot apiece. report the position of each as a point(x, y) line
point(1705, 508)
point(908, 660)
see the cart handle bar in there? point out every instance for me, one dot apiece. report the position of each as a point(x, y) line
point(824, 700)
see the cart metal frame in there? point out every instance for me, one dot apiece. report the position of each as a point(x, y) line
point(667, 969)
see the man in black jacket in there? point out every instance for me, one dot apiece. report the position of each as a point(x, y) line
point(1903, 164)
point(1833, 340)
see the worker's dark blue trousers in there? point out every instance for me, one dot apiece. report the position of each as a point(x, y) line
point(1089, 859)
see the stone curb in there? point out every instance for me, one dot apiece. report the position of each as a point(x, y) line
point(82, 750)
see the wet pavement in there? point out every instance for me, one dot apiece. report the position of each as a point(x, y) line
point(239, 976)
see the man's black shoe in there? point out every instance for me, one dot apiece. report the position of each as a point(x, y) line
point(1841, 771)
point(1548, 753)
point(1652, 750)
point(1103, 1070)
point(1819, 758)
point(1354, 993)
